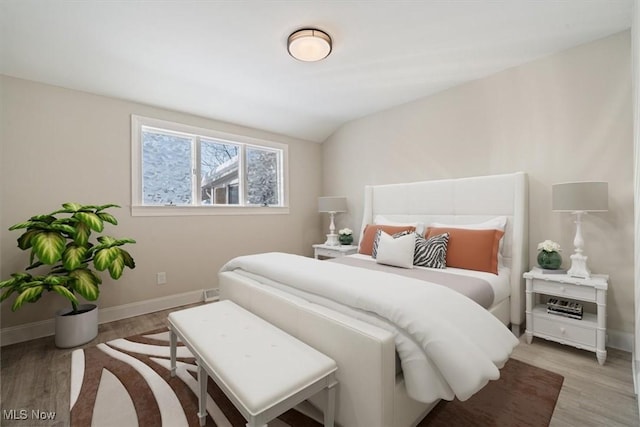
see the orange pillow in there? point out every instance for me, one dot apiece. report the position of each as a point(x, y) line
point(471, 249)
point(369, 235)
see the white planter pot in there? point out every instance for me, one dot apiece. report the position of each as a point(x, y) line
point(73, 330)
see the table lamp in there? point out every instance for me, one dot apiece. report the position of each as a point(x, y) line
point(332, 205)
point(579, 198)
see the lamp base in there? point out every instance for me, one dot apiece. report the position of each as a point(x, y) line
point(332, 240)
point(579, 267)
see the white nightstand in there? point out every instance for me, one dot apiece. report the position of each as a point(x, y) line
point(327, 251)
point(588, 333)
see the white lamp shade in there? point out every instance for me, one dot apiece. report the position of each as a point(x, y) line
point(587, 196)
point(309, 45)
point(332, 204)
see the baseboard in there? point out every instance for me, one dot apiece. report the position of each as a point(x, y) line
point(29, 331)
point(635, 371)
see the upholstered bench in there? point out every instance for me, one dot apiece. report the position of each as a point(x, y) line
point(261, 369)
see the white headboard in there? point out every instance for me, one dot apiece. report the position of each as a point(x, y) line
point(464, 201)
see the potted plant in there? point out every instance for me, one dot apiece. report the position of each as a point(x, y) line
point(549, 256)
point(65, 260)
point(345, 236)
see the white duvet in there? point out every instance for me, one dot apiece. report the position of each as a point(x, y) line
point(448, 345)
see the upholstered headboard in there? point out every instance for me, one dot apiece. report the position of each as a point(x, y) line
point(464, 201)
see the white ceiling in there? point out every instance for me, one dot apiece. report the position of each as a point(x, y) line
point(228, 60)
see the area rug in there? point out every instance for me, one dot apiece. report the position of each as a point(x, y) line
point(126, 382)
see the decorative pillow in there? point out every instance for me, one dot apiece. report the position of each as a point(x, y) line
point(382, 220)
point(497, 223)
point(369, 235)
point(398, 251)
point(471, 249)
point(376, 241)
point(431, 252)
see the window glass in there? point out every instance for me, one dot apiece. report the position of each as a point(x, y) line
point(219, 167)
point(166, 169)
point(262, 177)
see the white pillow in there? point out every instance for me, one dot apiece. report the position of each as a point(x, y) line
point(497, 223)
point(382, 220)
point(397, 252)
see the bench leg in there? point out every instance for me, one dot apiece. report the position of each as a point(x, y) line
point(202, 398)
point(330, 410)
point(173, 342)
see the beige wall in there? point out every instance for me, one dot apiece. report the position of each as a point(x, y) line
point(562, 118)
point(61, 145)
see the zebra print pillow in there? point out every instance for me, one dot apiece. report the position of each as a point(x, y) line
point(376, 241)
point(431, 252)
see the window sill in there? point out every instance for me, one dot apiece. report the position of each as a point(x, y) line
point(206, 210)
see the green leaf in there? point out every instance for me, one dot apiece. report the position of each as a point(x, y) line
point(31, 294)
point(73, 256)
point(117, 266)
point(43, 218)
point(54, 280)
point(65, 293)
point(92, 220)
point(86, 284)
point(82, 234)
point(107, 206)
point(25, 224)
point(48, 246)
point(73, 207)
point(103, 258)
point(7, 293)
point(63, 228)
point(121, 242)
point(36, 281)
point(35, 265)
point(105, 216)
point(128, 259)
point(17, 280)
point(24, 241)
point(107, 241)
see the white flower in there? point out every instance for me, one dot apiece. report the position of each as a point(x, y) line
point(549, 246)
point(345, 232)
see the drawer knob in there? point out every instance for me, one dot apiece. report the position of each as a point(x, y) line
point(562, 331)
point(562, 289)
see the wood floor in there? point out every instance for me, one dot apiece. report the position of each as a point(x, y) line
point(35, 376)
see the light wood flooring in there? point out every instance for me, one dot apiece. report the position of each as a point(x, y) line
point(35, 375)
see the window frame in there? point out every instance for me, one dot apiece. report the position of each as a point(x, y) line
point(138, 208)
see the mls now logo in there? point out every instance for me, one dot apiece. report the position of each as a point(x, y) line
point(25, 414)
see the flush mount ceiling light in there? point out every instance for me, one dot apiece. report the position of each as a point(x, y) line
point(309, 45)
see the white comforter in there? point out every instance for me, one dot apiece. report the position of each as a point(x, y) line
point(442, 337)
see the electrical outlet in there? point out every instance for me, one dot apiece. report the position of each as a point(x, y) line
point(161, 278)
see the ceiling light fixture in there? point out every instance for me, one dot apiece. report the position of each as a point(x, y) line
point(309, 45)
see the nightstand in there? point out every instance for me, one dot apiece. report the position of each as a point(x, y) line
point(327, 251)
point(588, 333)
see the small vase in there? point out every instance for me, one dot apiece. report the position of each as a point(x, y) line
point(345, 239)
point(549, 260)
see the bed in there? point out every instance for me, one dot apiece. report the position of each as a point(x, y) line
point(372, 391)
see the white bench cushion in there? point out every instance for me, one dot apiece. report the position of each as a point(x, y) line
point(260, 364)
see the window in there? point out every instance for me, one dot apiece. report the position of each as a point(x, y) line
point(183, 170)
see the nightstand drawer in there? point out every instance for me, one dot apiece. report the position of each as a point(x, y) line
point(565, 332)
point(568, 290)
point(327, 253)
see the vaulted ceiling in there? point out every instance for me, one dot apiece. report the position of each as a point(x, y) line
point(228, 60)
